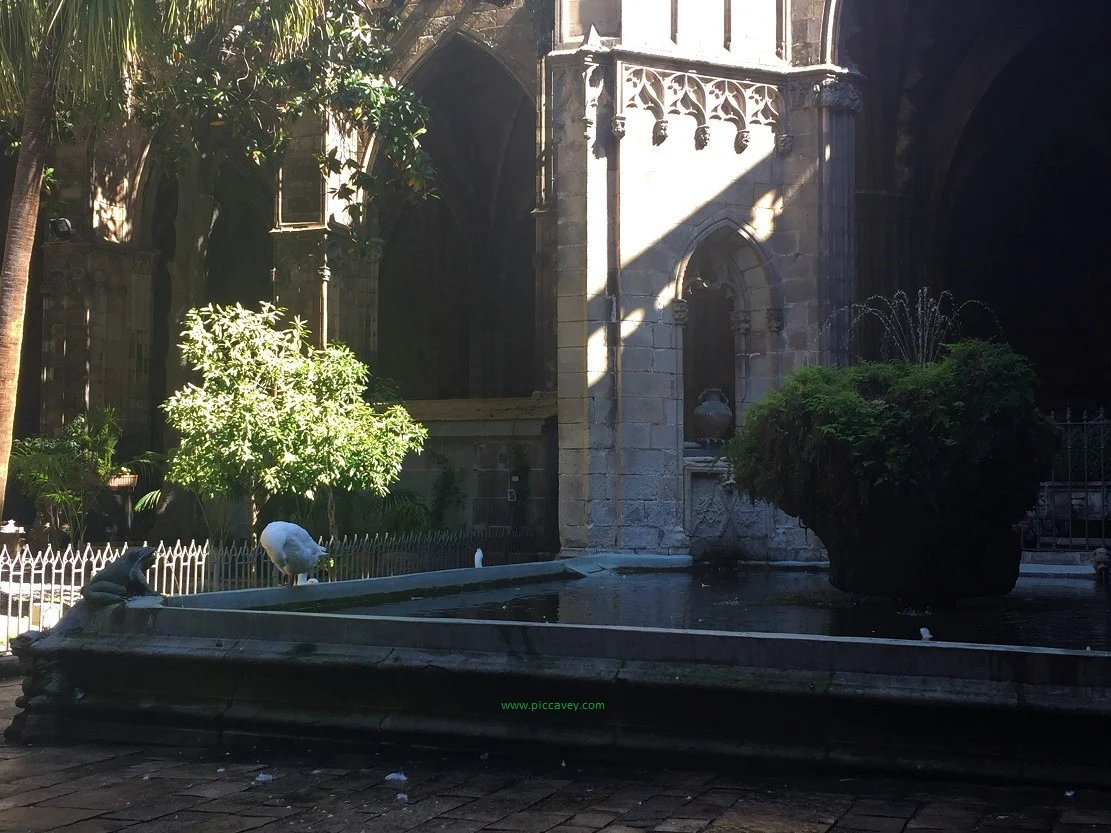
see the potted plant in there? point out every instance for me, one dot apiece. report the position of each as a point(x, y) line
point(912, 474)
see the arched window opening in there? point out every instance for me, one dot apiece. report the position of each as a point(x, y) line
point(457, 295)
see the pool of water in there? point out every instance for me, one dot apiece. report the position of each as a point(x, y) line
point(1043, 612)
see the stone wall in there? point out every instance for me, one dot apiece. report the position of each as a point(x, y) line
point(503, 451)
point(96, 335)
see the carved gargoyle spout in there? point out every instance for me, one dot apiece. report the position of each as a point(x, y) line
point(123, 579)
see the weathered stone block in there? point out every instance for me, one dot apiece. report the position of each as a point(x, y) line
point(666, 436)
point(665, 514)
point(603, 459)
point(572, 464)
point(601, 536)
point(640, 487)
point(570, 360)
point(603, 513)
point(571, 512)
point(646, 385)
point(601, 484)
point(633, 513)
point(635, 435)
point(639, 537)
point(645, 461)
point(665, 336)
point(634, 359)
point(666, 360)
point(571, 308)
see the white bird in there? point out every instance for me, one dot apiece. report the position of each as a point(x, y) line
point(478, 557)
point(292, 550)
point(926, 635)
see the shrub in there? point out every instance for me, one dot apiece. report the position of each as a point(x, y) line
point(912, 475)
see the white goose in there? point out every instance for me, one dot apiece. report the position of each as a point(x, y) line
point(293, 551)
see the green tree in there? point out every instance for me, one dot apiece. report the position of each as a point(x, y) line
point(274, 415)
point(227, 98)
point(59, 54)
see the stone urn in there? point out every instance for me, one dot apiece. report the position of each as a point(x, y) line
point(713, 417)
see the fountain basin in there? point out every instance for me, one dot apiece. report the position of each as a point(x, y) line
point(228, 668)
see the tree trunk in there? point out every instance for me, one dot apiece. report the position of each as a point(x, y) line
point(19, 245)
point(252, 507)
point(333, 532)
point(196, 216)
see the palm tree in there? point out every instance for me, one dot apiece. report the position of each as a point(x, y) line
point(79, 52)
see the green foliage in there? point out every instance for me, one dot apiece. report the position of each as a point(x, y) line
point(273, 415)
point(924, 443)
point(357, 513)
point(234, 90)
point(398, 512)
point(65, 474)
point(447, 494)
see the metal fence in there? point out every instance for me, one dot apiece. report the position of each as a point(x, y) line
point(1072, 511)
point(37, 587)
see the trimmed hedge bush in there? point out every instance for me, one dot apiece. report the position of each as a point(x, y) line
point(912, 475)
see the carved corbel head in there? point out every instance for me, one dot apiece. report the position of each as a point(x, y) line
point(743, 140)
point(702, 136)
point(659, 132)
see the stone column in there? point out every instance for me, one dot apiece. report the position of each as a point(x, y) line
point(742, 325)
point(839, 101)
point(300, 262)
point(544, 266)
point(582, 92)
point(371, 282)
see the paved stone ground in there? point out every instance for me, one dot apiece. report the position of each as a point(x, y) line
point(102, 789)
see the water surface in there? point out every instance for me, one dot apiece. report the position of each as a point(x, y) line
point(1045, 612)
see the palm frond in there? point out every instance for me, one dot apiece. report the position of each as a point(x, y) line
point(20, 35)
point(293, 23)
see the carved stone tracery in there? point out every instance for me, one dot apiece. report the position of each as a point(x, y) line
point(833, 93)
point(583, 92)
point(665, 93)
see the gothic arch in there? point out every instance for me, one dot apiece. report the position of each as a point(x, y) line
point(421, 62)
point(728, 305)
point(831, 32)
point(732, 219)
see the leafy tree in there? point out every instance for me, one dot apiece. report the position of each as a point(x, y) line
point(228, 97)
point(67, 473)
point(274, 415)
point(76, 55)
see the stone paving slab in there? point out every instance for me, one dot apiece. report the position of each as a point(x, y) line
point(95, 788)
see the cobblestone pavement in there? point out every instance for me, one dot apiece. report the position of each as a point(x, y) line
point(101, 789)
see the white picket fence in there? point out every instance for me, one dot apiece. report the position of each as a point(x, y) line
point(37, 587)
